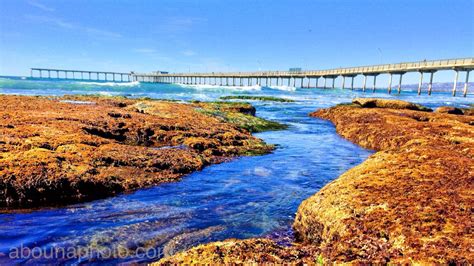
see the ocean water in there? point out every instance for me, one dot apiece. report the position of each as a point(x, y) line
point(246, 197)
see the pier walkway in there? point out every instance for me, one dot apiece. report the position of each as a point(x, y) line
point(310, 79)
point(80, 74)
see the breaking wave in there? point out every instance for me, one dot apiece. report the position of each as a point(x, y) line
point(283, 88)
point(111, 84)
point(218, 87)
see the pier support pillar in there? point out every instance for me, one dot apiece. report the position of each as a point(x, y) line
point(400, 83)
point(375, 83)
point(430, 85)
point(365, 83)
point(420, 83)
point(325, 82)
point(456, 75)
point(343, 82)
point(352, 83)
point(294, 82)
point(390, 84)
point(466, 84)
point(333, 81)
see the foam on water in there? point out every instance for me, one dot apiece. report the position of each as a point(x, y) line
point(283, 88)
point(110, 84)
point(218, 87)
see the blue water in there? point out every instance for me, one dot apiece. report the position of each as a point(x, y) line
point(246, 197)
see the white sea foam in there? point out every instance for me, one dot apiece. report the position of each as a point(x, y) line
point(207, 87)
point(283, 88)
point(106, 93)
point(111, 84)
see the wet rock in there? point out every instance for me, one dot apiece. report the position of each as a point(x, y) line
point(250, 251)
point(407, 202)
point(449, 110)
point(189, 239)
point(240, 114)
point(55, 152)
point(257, 98)
point(386, 103)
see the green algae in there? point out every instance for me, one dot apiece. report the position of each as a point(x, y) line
point(240, 114)
point(258, 98)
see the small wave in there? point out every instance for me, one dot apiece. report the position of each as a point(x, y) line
point(283, 88)
point(110, 84)
point(208, 87)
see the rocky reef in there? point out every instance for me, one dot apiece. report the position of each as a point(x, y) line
point(55, 151)
point(257, 98)
point(410, 202)
point(240, 114)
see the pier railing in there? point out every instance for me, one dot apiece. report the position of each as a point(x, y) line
point(53, 73)
point(373, 69)
point(289, 78)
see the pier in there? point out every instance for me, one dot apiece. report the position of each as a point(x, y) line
point(80, 74)
point(310, 78)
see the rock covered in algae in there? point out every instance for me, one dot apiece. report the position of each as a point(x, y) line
point(63, 150)
point(392, 104)
point(410, 202)
point(449, 110)
point(257, 98)
point(234, 251)
point(240, 114)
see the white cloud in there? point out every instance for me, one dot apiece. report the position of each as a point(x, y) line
point(179, 24)
point(188, 52)
point(144, 50)
point(67, 25)
point(41, 6)
point(153, 53)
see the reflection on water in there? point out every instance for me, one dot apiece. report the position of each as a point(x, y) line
point(246, 197)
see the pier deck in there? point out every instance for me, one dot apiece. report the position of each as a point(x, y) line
point(305, 78)
point(81, 74)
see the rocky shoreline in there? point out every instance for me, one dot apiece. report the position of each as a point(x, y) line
point(410, 202)
point(62, 150)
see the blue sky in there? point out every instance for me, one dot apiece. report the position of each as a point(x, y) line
point(217, 35)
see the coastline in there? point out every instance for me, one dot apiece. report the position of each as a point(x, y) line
point(409, 202)
point(63, 150)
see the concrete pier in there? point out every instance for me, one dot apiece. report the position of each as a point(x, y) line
point(241, 78)
point(463, 64)
point(420, 83)
point(38, 73)
point(466, 84)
